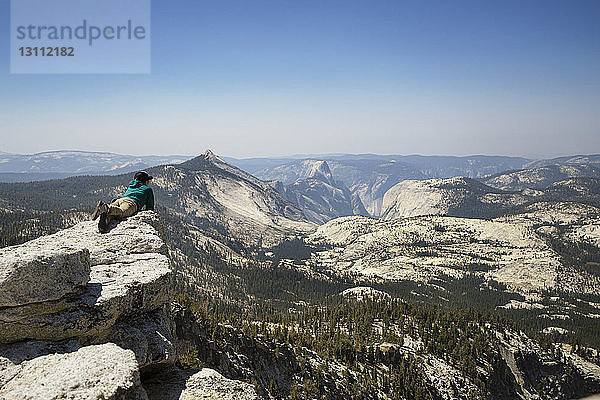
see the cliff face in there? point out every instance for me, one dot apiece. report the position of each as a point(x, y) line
point(85, 315)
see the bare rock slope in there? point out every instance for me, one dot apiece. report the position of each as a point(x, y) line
point(454, 196)
point(513, 250)
point(541, 177)
point(226, 201)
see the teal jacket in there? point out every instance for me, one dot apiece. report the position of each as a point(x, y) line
point(141, 194)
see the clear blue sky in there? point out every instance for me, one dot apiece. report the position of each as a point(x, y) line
point(259, 78)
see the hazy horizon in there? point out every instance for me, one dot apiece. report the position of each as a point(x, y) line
point(305, 155)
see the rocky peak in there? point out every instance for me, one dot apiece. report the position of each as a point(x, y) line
point(320, 170)
point(212, 157)
point(204, 161)
point(320, 196)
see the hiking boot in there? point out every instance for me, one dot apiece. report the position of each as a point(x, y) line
point(100, 208)
point(103, 222)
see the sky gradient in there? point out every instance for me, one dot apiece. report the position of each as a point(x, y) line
point(266, 78)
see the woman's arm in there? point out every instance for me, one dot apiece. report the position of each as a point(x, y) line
point(150, 200)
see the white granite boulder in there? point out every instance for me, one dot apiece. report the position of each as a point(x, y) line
point(104, 372)
point(142, 284)
point(33, 273)
point(130, 275)
point(207, 384)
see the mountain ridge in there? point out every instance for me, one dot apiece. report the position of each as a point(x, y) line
point(540, 177)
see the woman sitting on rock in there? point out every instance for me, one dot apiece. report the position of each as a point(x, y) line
point(138, 195)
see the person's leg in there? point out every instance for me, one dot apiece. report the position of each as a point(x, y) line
point(100, 208)
point(115, 210)
point(128, 207)
point(122, 208)
point(118, 209)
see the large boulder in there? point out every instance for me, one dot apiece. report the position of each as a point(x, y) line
point(136, 284)
point(100, 279)
point(207, 384)
point(104, 372)
point(139, 234)
point(36, 272)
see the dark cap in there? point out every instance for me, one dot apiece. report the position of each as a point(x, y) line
point(142, 176)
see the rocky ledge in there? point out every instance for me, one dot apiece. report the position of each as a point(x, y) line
point(85, 315)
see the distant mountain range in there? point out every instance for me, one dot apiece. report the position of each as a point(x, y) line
point(540, 177)
point(62, 164)
point(567, 160)
point(330, 186)
point(370, 177)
